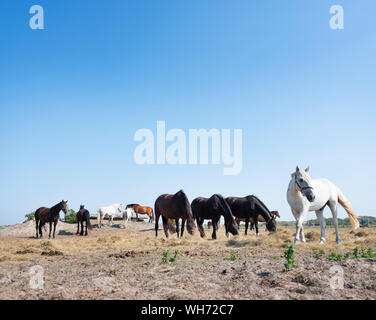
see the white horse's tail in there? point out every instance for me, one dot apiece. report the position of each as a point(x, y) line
point(347, 206)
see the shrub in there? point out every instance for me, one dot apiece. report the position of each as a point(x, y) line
point(71, 217)
point(335, 256)
point(289, 255)
point(318, 254)
point(232, 257)
point(167, 258)
point(30, 216)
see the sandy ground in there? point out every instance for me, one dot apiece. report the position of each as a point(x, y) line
point(117, 263)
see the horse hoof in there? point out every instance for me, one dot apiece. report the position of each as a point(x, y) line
point(227, 236)
point(322, 241)
point(257, 234)
point(339, 241)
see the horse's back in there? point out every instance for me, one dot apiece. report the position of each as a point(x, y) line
point(41, 212)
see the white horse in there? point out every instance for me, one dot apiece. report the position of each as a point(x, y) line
point(304, 194)
point(127, 215)
point(109, 211)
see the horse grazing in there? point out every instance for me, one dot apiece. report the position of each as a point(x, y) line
point(43, 215)
point(174, 207)
point(249, 208)
point(213, 208)
point(142, 210)
point(275, 214)
point(83, 215)
point(109, 211)
point(304, 194)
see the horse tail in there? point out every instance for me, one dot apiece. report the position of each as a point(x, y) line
point(347, 206)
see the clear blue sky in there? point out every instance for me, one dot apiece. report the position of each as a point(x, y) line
point(73, 95)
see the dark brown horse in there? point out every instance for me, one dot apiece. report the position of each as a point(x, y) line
point(43, 215)
point(174, 206)
point(83, 215)
point(142, 210)
point(249, 208)
point(213, 208)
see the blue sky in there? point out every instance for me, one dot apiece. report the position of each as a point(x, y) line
point(73, 95)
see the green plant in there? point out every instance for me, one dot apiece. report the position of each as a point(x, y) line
point(167, 256)
point(289, 255)
point(30, 216)
point(318, 254)
point(71, 217)
point(356, 253)
point(335, 256)
point(368, 253)
point(232, 257)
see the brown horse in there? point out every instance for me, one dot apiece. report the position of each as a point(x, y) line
point(83, 215)
point(142, 210)
point(213, 208)
point(174, 207)
point(43, 215)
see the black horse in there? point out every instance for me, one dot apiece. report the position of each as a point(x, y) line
point(173, 207)
point(83, 215)
point(213, 208)
point(249, 208)
point(44, 215)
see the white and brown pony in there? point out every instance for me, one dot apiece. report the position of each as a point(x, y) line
point(137, 209)
point(305, 194)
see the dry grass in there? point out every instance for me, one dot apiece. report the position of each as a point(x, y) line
point(141, 236)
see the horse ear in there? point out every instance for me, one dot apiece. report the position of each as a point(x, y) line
point(307, 169)
point(297, 169)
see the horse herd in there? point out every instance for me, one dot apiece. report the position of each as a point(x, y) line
point(303, 195)
point(173, 208)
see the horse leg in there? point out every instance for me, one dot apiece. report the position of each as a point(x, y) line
point(86, 227)
point(55, 223)
point(246, 225)
point(333, 208)
point(165, 225)
point(299, 226)
point(256, 227)
point(99, 219)
point(49, 235)
point(177, 227)
point(200, 227)
point(40, 229)
point(36, 226)
point(214, 234)
point(78, 227)
point(182, 227)
point(82, 228)
point(320, 217)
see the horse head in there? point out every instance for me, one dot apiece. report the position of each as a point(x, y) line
point(64, 206)
point(271, 225)
point(302, 183)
